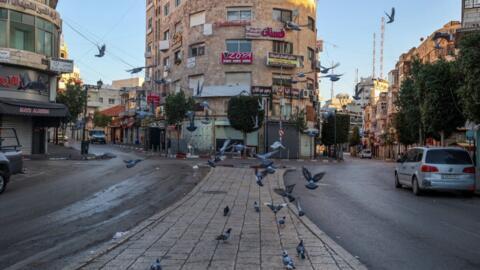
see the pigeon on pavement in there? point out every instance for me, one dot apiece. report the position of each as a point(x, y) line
point(301, 250)
point(211, 163)
point(281, 221)
point(391, 16)
point(224, 236)
point(226, 211)
point(287, 261)
point(256, 207)
point(156, 265)
point(132, 163)
point(287, 192)
point(276, 207)
point(300, 210)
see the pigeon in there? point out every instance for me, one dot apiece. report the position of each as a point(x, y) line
point(255, 122)
point(287, 261)
point(325, 70)
point(391, 16)
point(156, 265)
point(266, 156)
point(266, 163)
point(219, 154)
point(260, 175)
point(238, 147)
point(276, 145)
point(226, 211)
point(101, 51)
point(287, 192)
point(224, 148)
point(131, 163)
point(256, 207)
point(161, 81)
point(300, 210)
point(191, 118)
point(276, 208)
point(311, 185)
point(333, 77)
point(206, 121)
point(293, 26)
point(308, 175)
point(205, 105)
point(224, 236)
point(211, 163)
point(281, 221)
point(301, 250)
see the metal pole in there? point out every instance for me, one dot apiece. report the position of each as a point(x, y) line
point(83, 146)
point(335, 132)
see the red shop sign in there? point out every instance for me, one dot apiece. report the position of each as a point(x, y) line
point(12, 81)
point(155, 99)
point(237, 58)
point(264, 33)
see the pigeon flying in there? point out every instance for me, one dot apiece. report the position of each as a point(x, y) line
point(101, 51)
point(156, 265)
point(325, 70)
point(308, 175)
point(260, 175)
point(257, 208)
point(276, 208)
point(224, 236)
point(287, 261)
point(276, 145)
point(391, 16)
point(211, 163)
point(287, 192)
point(226, 211)
point(301, 250)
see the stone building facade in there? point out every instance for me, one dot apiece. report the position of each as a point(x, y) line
point(29, 67)
point(226, 47)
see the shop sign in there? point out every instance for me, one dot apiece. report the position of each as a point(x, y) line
point(61, 65)
point(237, 57)
point(232, 23)
point(153, 99)
point(286, 92)
point(5, 56)
point(264, 91)
point(39, 8)
point(284, 60)
point(33, 111)
point(24, 79)
point(264, 33)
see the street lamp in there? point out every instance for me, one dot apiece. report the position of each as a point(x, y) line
point(84, 144)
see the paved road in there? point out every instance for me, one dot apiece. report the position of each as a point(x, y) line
point(61, 208)
point(358, 206)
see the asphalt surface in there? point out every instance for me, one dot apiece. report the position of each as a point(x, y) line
point(62, 209)
point(387, 228)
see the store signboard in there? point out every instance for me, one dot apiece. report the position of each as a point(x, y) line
point(4, 56)
point(268, 33)
point(237, 57)
point(263, 91)
point(17, 79)
point(61, 65)
point(284, 60)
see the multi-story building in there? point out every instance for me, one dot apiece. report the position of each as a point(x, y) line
point(67, 78)
point(29, 65)
point(226, 48)
point(470, 15)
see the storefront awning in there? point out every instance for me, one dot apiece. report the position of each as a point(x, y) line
point(21, 107)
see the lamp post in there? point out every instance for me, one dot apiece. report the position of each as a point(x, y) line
point(84, 145)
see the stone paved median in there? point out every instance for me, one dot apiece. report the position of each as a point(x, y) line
point(183, 236)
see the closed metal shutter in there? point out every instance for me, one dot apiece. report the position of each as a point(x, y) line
point(24, 128)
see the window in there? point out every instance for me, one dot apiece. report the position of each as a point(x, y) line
point(311, 54)
point(111, 101)
point(3, 27)
point(197, 19)
point(282, 15)
point(179, 27)
point(238, 78)
point(195, 81)
point(176, 86)
point(239, 45)
point(281, 80)
point(178, 2)
point(196, 50)
point(150, 24)
point(44, 37)
point(282, 47)
point(166, 9)
point(178, 57)
point(239, 14)
point(311, 24)
point(22, 31)
point(448, 156)
point(166, 61)
point(100, 99)
point(166, 35)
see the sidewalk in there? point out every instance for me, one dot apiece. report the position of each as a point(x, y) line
point(183, 235)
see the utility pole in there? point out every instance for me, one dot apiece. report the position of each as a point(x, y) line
point(374, 54)
point(331, 90)
point(382, 42)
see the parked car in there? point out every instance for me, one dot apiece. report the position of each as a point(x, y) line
point(97, 136)
point(366, 153)
point(425, 168)
point(11, 161)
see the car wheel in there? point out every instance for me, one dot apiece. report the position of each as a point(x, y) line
point(3, 182)
point(415, 188)
point(397, 181)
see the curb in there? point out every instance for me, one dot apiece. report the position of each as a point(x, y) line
point(353, 262)
point(144, 225)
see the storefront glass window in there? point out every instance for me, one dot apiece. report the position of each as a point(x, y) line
point(22, 31)
point(3, 27)
point(44, 37)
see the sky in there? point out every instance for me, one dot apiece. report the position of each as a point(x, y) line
point(346, 26)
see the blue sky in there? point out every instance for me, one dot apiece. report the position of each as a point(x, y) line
point(347, 27)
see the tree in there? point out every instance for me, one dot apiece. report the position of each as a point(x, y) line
point(335, 130)
point(355, 137)
point(469, 67)
point(299, 121)
point(243, 112)
point(74, 99)
point(176, 106)
point(439, 108)
point(101, 120)
point(407, 121)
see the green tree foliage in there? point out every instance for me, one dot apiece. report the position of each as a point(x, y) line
point(101, 120)
point(355, 137)
point(241, 112)
point(74, 99)
point(469, 66)
point(342, 123)
point(176, 106)
point(299, 120)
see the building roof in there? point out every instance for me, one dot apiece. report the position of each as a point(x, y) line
point(224, 90)
point(113, 111)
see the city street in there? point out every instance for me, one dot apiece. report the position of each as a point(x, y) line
point(358, 206)
point(60, 209)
